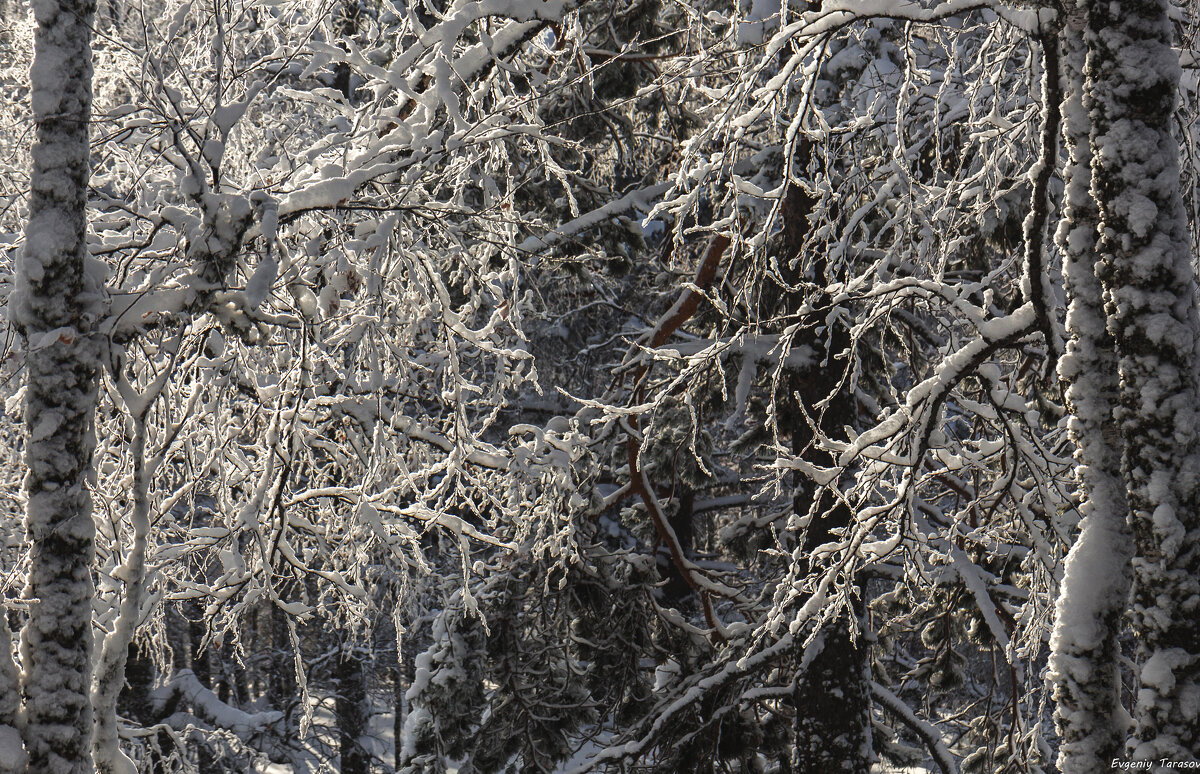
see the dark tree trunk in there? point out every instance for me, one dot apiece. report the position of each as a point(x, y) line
point(199, 661)
point(352, 712)
point(677, 590)
point(403, 672)
point(135, 703)
point(282, 680)
point(831, 697)
point(345, 26)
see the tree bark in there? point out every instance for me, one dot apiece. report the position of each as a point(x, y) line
point(352, 712)
point(400, 708)
point(135, 702)
point(676, 589)
point(831, 696)
point(1084, 662)
point(1132, 79)
point(201, 666)
point(282, 680)
point(56, 307)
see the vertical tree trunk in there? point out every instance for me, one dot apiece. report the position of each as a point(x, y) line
point(282, 680)
point(201, 666)
point(56, 310)
point(1084, 664)
point(352, 712)
point(12, 760)
point(403, 673)
point(111, 665)
point(345, 25)
point(833, 718)
point(135, 702)
point(831, 696)
point(1132, 78)
point(682, 521)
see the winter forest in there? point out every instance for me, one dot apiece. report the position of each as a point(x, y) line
point(657, 386)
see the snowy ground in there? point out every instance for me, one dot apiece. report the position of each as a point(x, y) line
point(383, 740)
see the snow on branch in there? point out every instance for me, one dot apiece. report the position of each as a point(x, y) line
point(185, 685)
point(929, 733)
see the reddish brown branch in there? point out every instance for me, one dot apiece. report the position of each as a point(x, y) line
point(682, 310)
point(689, 300)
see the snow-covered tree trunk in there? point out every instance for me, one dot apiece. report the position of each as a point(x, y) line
point(1132, 79)
point(55, 306)
point(114, 653)
point(12, 756)
point(1085, 666)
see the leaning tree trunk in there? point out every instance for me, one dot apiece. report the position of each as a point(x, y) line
point(56, 307)
point(1085, 663)
point(1132, 78)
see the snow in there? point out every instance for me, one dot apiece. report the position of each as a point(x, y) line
point(306, 300)
point(47, 423)
point(12, 753)
point(665, 674)
point(638, 199)
point(763, 14)
point(258, 287)
point(1159, 670)
point(210, 708)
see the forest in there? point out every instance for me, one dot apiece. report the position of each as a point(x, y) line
point(567, 386)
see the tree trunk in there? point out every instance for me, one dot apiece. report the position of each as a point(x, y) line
point(676, 589)
point(403, 673)
point(398, 689)
point(135, 703)
point(1132, 78)
point(345, 25)
point(201, 666)
point(1085, 670)
point(352, 712)
point(282, 680)
point(56, 308)
point(831, 695)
